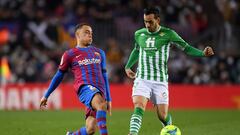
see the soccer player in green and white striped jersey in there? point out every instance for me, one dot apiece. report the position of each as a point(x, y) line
point(151, 50)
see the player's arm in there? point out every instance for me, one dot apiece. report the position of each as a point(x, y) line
point(133, 58)
point(192, 51)
point(57, 79)
point(105, 77)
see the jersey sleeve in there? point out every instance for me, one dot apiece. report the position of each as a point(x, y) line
point(177, 40)
point(105, 76)
point(183, 45)
point(103, 60)
point(133, 58)
point(56, 80)
point(65, 62)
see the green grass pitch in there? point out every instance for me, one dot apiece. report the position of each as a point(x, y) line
point(190, 122)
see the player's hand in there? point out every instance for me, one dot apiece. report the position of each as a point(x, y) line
point(109, 107)
point(208, 51)
point(130, 73)
point(43, 102)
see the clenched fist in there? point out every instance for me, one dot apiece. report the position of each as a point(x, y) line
point(208, 51)
point(43, 102)
point(130, 73)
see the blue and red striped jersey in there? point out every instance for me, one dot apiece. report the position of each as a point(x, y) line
point(87, 65)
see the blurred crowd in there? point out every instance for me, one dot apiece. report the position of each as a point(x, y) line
point(35, 33)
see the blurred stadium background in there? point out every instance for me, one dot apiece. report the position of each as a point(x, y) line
point(204, 92)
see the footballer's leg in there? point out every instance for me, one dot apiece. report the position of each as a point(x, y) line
point(140, 103)
point(140, 96)
point(96, 108)
point(91, 125)
point(163, 115)
point(160, 99)
point(98, 103)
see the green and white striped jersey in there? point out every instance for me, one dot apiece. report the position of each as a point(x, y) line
point(153, 51)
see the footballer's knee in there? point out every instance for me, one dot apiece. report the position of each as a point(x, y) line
point(99, 103)
point(91, 125)
point(140, 105)
point(102, 106)
point(91, 129)
point(140, 102)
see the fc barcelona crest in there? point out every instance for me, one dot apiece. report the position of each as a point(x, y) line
point(96, 53)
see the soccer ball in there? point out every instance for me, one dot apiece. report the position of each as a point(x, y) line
point(170, 130)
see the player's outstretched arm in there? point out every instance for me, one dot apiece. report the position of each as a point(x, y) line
point(188, 49)
point(57, 79)
point(208, 51)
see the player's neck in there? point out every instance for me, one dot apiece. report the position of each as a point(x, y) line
point(157, 30)
point(82, 45)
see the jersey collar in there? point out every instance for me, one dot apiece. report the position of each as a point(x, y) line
point(155, 31)
point(83, 48)
point(78, 46)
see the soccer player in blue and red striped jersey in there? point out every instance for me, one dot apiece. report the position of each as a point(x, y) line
point(88, 64)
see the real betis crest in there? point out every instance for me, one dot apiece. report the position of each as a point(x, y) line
point(162, 34)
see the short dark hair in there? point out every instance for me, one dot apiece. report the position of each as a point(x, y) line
point(79, 26)
point(152, 10)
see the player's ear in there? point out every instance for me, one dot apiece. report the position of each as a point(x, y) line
point(77, 34)
point(158, 19)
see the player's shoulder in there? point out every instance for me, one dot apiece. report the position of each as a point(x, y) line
point(140, 31)
point(166, 29)
point(98, 50)
point(71, 52)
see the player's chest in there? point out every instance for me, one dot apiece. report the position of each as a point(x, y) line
point(153, 42)
point(86, 58)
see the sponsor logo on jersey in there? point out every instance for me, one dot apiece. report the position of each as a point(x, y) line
point(89, 61)
point(142, 34)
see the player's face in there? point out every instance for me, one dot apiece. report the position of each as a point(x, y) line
point(84, 35)
point(151, 23)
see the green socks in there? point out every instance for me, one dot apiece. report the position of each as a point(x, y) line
point(136, 120)
point(167, 121)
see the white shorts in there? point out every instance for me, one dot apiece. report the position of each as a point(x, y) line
point(156, 92)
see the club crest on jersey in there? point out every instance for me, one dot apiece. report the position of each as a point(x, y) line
point(96, 53)
point(162, 34)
